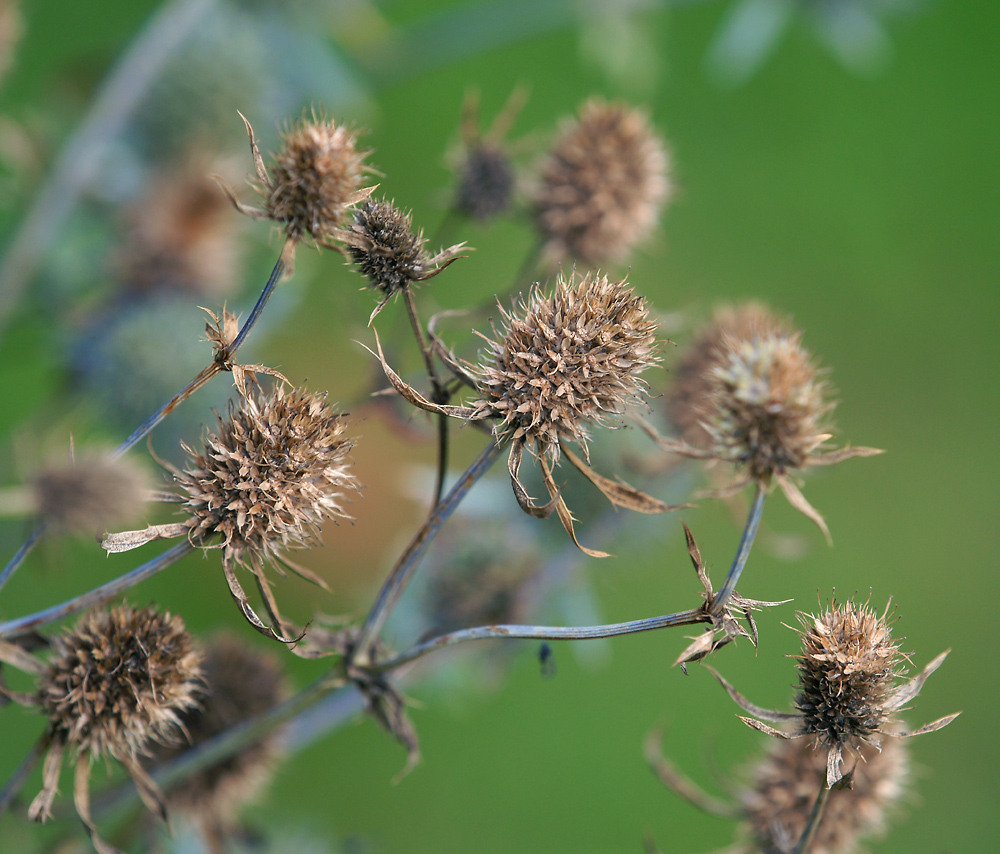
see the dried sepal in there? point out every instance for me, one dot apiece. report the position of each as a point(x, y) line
point(619, 493)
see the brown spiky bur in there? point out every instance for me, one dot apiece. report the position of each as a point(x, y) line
point(562, 363)
point(240, 682)
point(387, 252)
point(88, 492)
point(487, 179)
point(750, 394)
point(602, 185)
point(849, 689)
point(317, 175)
point(118, 683)
point(275, 469)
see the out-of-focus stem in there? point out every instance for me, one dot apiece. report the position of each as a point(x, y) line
point(21, 554)
point(409, 560)
point(746, 543)
point(97, 596)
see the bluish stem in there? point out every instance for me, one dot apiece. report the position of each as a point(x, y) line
point(97, 596)
point(21, 554)
point(410, 559)
point(746, 543)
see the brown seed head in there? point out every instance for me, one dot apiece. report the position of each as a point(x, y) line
point(240, 681)
point(120, 681)
point(485, 182)
point(602, 184)
point(317, 177)
point(847, 672)
point(765, 404)
point(89, 493)
point(568, 360)
point(386, 250)
point(265, 482)
point(690, 396)
point(783, 789)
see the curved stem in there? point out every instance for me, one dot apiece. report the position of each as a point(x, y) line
point(21, 554)
point(97, 596)
point(682, 618)
point(815, 817)
point(265, 295)
point(408, 561)
point(746, 543)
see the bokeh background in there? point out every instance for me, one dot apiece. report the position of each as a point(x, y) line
point(836, 160)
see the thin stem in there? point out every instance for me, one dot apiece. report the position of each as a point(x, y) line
point(97, 596)
point(815, 817)
point(746, 543)
point(408, 561)
point(22, 553)
point(206, 373)
point(682, 618)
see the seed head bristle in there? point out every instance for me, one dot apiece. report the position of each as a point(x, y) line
point(602, 185)
point(568, 360)
point(267, 479)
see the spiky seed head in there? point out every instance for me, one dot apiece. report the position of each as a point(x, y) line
point(120, 681)
point(88, 493)
point(316, 177)
point(567, 361)
point(765, 404)
point(602, 184)
point(689, 401)
point(777, 803)
point(240, 681)
point(387, 251)
point(485, 182)
point(847, 670)
point(267, 479)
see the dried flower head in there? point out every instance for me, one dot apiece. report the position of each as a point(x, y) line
point(88, 493)
point(318, 173)
point(750, 394)
point(567, 361)
point(264, 483)
point(602, 184)
point(118, 684)
point(849, 691)
point(775, 807)
point(240, 682)
point(388, 253)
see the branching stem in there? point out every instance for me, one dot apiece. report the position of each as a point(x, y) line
point(746, 543)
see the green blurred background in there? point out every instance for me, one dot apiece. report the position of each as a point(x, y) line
point(846, 174)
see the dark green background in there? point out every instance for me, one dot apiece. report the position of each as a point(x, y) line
point(865, 208)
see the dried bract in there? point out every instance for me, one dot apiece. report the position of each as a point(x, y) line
point(602, 185)
point(118, 684)
point(388, 253)
point(317, 176)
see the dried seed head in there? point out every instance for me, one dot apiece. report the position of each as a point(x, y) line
point(119, 682)
point(602, 185)
point(274, 471)
point(765, 404)
point(180, 236)
point(783, 788)
point(386, 250)
point(847, 672)
point(689, 400)
point(568, 360)
point(485, 182)
point(240, 681)
point(90, 493)
point(318, 172)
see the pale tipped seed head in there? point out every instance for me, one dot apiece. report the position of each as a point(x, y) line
point(120, 681)
point(847, 670)
point(387, 251)
point(602, 185)
point(689, 401)
point(316, 177)
point(777, 803)
point(765, 404)
point(567, 361)
point(240, 681)
point(267, 479)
